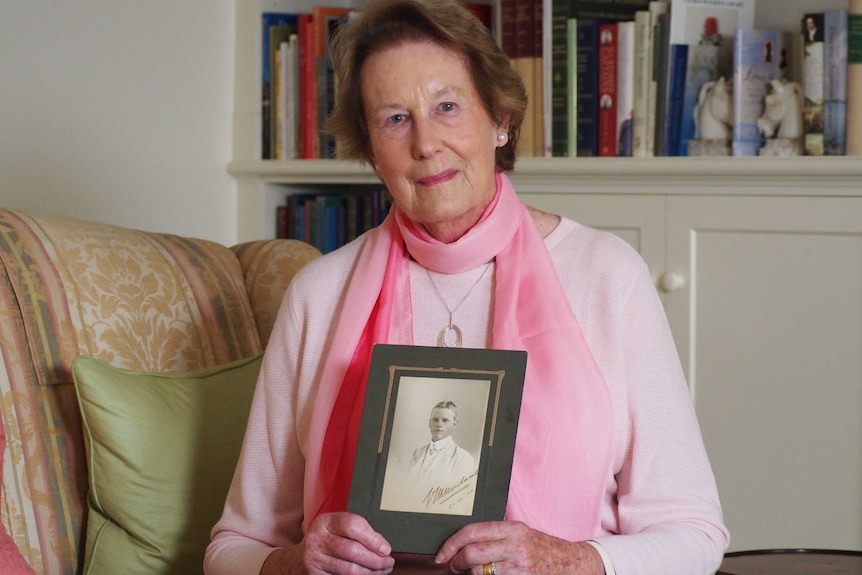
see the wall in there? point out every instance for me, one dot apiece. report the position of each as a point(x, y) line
point(119, 112)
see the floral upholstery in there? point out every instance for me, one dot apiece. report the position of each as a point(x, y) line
point(138, 300)
point(265, 264)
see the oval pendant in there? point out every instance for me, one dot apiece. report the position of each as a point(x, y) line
point(441, 339)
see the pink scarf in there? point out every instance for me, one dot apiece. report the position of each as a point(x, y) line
point(563, 451)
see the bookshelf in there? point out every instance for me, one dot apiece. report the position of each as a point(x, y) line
point(262, 185)
point(757, 260)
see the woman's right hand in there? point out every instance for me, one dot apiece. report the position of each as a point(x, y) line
point(338, 544)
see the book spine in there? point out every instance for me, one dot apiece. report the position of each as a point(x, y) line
point(279, 99)
point(656, 9)
point(854, 78)
point(282, 221)
point(315, 223)
point(812, 77)
point(307, 87)
point(572, 101)
point(661, 70)
point(292, 91)
point(524, 62)
point(323, 95)
point(588, 80)
point(607, 112)
point(678, 66)
point(625, 86)
point(508, 30)
point(834, 82)
point(265, 97)
point(642, 73)
point(757, 59)
point(559, 79)
point(266, 87)
point(547, 77)
point(351, 217)
point(538, 79)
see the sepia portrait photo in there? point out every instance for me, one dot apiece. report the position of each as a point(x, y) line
point(436, 441)
point(436, 445)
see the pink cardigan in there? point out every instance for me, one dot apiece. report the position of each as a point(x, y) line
point(660, 516)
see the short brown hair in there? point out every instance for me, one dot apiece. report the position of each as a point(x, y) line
point(447, 23)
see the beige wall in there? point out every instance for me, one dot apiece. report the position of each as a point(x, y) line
point(119, 111)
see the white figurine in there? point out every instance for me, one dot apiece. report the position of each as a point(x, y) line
point(781, 122)
point(713, 119)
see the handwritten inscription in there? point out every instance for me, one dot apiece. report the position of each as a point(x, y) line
point(439, 495)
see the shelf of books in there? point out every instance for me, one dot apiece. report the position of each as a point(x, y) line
point(618, 90)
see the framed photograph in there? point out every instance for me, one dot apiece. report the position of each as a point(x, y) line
point(436, 441)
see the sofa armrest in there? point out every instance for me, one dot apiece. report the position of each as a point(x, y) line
point(268, 267)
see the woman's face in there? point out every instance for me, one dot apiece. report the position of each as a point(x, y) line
point(432, 142)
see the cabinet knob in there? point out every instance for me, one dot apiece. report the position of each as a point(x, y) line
point(670, 282)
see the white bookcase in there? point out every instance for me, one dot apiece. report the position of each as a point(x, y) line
point(758, 262)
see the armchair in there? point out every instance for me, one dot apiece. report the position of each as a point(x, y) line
point(133, 299)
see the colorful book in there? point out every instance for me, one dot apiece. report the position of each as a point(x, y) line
point(625, 86)
point(572, 102)
point(508, 26)
point(677, 62)
point(538, 79)
point(835, 29)
point(661, 72)
point(525, 63)
point(277, 103)
point(271, 20)
point(288, 98)
point(588, 86)
point(546, 19)
point(812, 77)
point(642, 75)
point(607, 112)
point(658, 10)
point(854, 78)
point(757, 61)
point(701, 39)
point(559, 76)
point(308, 141)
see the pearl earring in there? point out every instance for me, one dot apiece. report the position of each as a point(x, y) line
point(501, 137)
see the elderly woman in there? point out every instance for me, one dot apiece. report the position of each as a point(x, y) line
point(609, 474)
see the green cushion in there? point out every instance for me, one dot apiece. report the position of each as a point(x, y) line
point(161, 452)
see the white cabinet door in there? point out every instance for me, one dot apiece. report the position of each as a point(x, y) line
point(769, 326)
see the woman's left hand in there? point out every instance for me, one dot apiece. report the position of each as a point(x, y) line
point(515, 549)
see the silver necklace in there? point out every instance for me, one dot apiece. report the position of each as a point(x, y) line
point(451, 326)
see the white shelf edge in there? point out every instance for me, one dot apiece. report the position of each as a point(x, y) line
point(303, 171)
point(838, 175)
